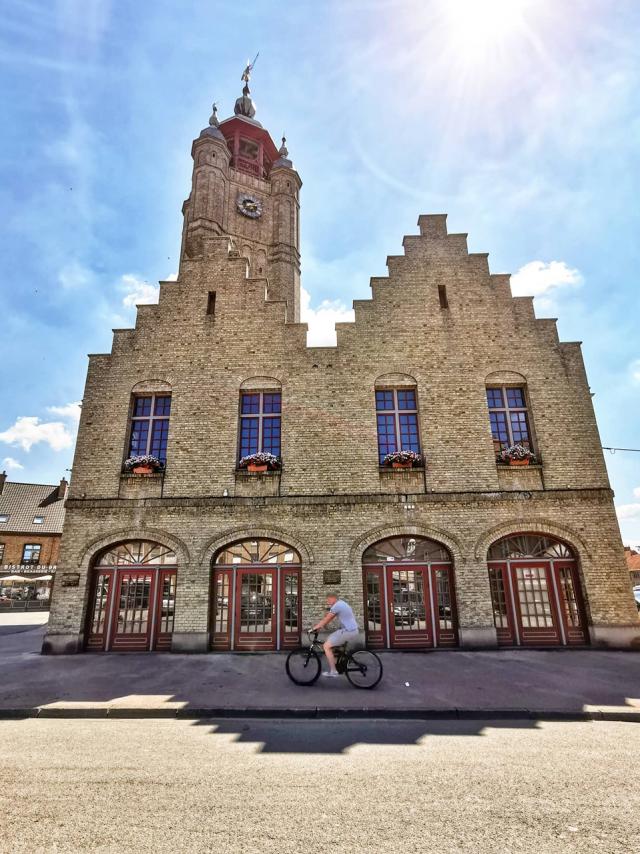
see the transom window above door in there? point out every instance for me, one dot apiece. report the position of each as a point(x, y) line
point(397, 421)
point(257, 551)
point(150, 426)
point(260, 423)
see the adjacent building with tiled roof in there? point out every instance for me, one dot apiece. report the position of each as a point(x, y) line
point(31, 520)
point(633, 562)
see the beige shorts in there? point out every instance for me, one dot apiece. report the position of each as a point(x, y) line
point(342, 636)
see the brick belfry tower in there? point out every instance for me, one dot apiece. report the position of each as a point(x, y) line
point(246, 188)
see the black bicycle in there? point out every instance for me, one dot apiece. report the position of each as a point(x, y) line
point(362, 668)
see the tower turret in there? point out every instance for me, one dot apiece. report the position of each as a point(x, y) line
point(245, 187)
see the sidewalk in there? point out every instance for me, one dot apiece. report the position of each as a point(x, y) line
point(570, 684)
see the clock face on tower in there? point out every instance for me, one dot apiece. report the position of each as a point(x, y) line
point(249, 205)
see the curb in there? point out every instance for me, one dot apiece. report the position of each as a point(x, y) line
point(106, 713)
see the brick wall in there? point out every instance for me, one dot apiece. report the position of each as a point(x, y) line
point(331, 495)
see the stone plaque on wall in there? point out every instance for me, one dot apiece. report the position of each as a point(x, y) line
point(70, 579)
point(331, 576)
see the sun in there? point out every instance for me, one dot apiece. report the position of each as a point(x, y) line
point(480, 26)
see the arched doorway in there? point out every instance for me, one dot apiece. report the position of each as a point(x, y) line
point(255, 596)
point(132, 598)
point(409, 594)
point(535, 592)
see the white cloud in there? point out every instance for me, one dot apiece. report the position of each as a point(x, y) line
point(634, 370)
point(636, 492)
point(321, 320)
point(69, 410)
point(11, 463)
point(136, 291)
point(172, 277)
point(29, 430)
point(74, 276)
point(629, 512)
point(537, 278)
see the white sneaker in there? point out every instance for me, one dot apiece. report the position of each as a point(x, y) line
point(331, 673)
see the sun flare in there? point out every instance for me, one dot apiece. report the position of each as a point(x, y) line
point(479, 26)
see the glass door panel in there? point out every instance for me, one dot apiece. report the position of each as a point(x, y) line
point(571, 604)
point(290, 609)
point(375, 608)
point(222, 609)
point(535, 603)
point(166, 608)
point(99, 617)
point(133, 611)
point(409, 610)
point(446, 622)
point(255, 619)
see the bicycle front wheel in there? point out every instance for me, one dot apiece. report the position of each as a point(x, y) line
point(364, 669)
point(303, 666)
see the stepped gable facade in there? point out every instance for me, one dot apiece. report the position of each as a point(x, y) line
point(455, 547)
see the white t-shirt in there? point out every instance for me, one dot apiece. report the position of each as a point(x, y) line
point(345, 615)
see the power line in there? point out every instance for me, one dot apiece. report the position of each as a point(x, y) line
point(613, 450)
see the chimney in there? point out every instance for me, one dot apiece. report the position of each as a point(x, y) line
point(3, 478)
point(62, 489)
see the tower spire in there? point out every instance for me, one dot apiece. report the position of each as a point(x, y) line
point(244, 104)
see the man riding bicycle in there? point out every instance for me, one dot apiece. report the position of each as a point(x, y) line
point(348, 630)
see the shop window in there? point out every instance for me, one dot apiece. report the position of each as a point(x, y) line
point(260, 423)
point(150, 426)
point(397, 421)
point(509, 418)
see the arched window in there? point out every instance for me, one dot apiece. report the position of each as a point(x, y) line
point(536, 592)
point(256, 596)
point(409, 593)
point(133, 593)
point(529, 546)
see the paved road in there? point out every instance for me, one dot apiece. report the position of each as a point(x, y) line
point(571, 680)
point(306, 786)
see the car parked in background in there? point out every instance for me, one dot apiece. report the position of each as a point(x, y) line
point(636, 595)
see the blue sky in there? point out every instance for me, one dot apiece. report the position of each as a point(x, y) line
point(520, 120)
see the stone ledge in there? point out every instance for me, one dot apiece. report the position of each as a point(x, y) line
point(471, 498)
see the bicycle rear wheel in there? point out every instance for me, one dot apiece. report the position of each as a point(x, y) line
point(364, 669)
point(303, 666)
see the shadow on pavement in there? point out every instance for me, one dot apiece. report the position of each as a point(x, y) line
point(324, 736)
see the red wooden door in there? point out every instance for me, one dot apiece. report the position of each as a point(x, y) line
point(502, 601)
point(375, 607)
point(290, 616)
point(100, 607)
point(222, 609)
point(256, 623)
point(444, 604)
point(165, 609)
point(535, 603)
point(572, 611)
point(132, 623)
point(409, 609)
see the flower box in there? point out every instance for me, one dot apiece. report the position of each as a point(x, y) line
point(516, 455)
point(261, 462)
point(146, 464)
point(403, 460)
